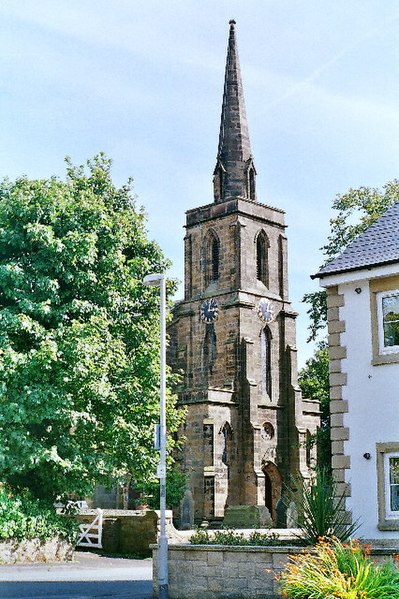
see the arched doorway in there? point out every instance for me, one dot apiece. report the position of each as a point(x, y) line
point(273, 488)
point(268, 493)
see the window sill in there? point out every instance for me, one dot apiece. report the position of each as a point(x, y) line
point(385, 359)
point(389, 524)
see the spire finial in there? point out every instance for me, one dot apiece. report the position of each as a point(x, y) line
point(234, 175)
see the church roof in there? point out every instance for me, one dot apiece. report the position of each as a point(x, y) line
point(234, 156)
point(378, 245)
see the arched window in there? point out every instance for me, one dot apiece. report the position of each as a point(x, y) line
point(226, 451)
point(281, 278)
point(251, 183)
point(212, 258)
point(262, 258)
point(218, 180)
point(309, 446)
point(250, 175)
point(209, 350)
point(265, 353)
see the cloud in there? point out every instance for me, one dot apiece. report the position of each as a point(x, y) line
point(304, 84)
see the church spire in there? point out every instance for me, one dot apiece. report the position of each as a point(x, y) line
point(234, 174)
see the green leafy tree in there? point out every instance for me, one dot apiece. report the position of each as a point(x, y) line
point(355, 210)
point(313, 380)
point(79, 353)
point(176, 484)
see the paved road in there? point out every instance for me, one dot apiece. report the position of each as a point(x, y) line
point(90, 576)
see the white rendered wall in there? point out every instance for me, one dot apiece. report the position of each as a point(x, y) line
point(373, 399)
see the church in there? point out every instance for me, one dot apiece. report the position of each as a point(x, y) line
point(233, 336)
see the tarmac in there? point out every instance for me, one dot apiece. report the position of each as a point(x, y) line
point(89, 576)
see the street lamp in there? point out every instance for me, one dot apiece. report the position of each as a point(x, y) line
point(158, 280)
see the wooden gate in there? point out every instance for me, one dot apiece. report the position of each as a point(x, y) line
point(91, 532)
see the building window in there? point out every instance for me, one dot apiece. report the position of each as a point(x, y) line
point(392, 484)
point(384, 304)
point(209, 349)
point(251, 183)
point(265, 356)
point(218, 182)
point(262, 258)
point(208, 444)
point(388, 485)
point(212, 258)
point(226, 449)
point(267, 431)
point(388, 321)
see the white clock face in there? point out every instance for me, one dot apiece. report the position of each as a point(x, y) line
point(265, 310)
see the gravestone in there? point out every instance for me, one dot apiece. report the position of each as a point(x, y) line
point(247, 516)
point(187, 511)
point(281, 513)
point(292, 515)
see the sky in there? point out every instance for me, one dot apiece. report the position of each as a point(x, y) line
point(142, 81)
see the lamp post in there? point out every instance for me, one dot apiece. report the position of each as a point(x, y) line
point(158, 280)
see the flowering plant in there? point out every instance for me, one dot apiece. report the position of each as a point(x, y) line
point(333, 570)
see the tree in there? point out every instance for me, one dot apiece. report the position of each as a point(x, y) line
point(313, 380)
point(357, 210)
point(79, 354)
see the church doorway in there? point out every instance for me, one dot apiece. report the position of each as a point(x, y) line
point(268, 493)
point(273, 488)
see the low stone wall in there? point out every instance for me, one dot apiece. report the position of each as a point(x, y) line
point(210, 571)
point(231, 572)
point(34, 550)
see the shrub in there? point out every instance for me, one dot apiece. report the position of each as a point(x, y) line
point(339, 571)
point(321, 510)
point(232, 537)
point(24, 518)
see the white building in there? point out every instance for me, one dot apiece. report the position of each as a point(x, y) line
point(363, 323)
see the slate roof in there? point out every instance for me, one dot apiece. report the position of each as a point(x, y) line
point(378, 245)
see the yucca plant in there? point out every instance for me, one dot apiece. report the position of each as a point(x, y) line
point(321, 510)
point(333, 570)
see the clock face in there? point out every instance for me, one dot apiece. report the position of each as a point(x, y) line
point(265, 310)
point(209, 311)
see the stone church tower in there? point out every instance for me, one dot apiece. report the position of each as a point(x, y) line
point(233, 335)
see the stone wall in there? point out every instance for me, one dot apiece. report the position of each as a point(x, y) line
point(207, 572)
point(228, 572)
point(34, 550)
point(126, 531)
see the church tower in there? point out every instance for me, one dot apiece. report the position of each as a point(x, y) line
point(233, 335)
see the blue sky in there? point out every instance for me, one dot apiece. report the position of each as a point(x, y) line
point(142, 81)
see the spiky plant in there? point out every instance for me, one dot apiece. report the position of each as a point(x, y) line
point(321, 509)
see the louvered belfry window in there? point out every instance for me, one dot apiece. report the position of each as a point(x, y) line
point(212, 258)
point(262, 258)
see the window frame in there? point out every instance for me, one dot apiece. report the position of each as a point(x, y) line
point(379, 288)
point(390, 514)
point(387, 518)
point(383, 349)
point(262, 246)
point(211, 257)
point(266, 363)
